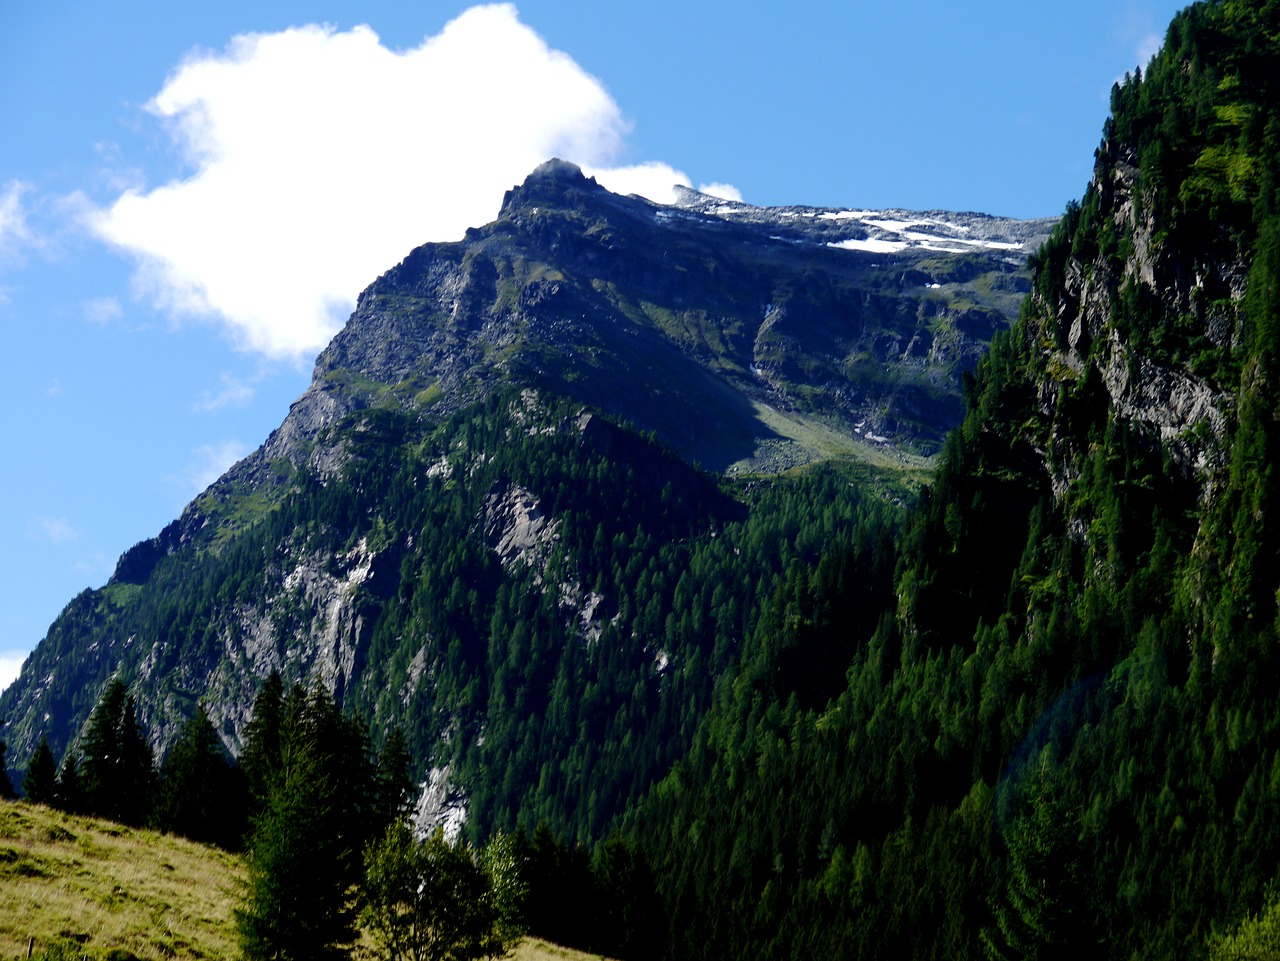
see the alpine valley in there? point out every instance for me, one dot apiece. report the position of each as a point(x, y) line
point(883, 583)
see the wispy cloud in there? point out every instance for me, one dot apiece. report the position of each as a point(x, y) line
point(102, 310)
point(320, 158)
point(209, 462)
point(55, 530)
point(231, 393)
point(15, 234)
point(1147, 47)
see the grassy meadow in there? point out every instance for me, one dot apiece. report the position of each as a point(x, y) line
point(86, 888)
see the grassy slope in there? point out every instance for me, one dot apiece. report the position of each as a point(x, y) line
point(109, 886)
point(105, 886)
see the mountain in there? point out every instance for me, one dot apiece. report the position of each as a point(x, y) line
point(1028, 709)
point(1062, 739)
point(483, 519)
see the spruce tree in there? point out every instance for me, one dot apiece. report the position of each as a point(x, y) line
point(40, 785)
point(117, 771)
point(199, 794)
point(68, 795)
point(6, 786)
point(260, 754)
point(395, 785)
point(1042, 915)
point(296, 904)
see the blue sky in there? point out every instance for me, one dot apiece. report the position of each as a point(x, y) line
point(192, 195)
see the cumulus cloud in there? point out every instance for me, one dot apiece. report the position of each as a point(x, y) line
point(10, 666)
point(320, 158)
point(723, 191)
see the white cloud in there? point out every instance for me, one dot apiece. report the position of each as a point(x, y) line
point(231, 393)
point(1147, 47)
point(102, 310)
point(209, 462)
point(10, 666)
point(321, 158)
point(14, 232)
point(723, 191)
point(56, 530)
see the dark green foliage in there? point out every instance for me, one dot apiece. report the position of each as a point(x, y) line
point(201, 794)
point(68, 795)
point(297, 904)
point(1075, 590)
point(260, 757)
point(6, 786)
point(117, 774)
point(319, 806)
point(40, 785)
point(1040, 909)
point(395, 787)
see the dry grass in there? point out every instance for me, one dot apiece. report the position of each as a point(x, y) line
point(103, 887)
point(534, 949)
point(109, 887)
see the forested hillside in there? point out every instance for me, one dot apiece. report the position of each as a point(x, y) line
point(1064, 739)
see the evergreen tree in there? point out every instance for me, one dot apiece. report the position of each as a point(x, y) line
point(6, 786)
point(260, 754)
point(40, 785)
point(68, 796)
point(1041, 916)
point(296, 906)
point(395, 785)
point(199, 794)
point(117, 773)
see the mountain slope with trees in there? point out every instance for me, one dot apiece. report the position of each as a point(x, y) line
point(486, 523)
point(1063, 739)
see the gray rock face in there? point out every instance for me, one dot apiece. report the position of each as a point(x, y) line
point(1175, 408)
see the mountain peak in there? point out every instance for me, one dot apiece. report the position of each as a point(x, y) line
point(552, 179)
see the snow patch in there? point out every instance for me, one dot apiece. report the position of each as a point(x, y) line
point(871, 245)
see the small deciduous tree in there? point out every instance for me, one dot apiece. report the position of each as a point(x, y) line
point(429, 900)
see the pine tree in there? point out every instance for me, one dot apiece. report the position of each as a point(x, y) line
point(296, 904)
point(68, 795)
point(40, 785)
point(199, 794)
point(6, 786)
point(395, 785)
point(260, 755)
point(1042, 915)
point(117, 771)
